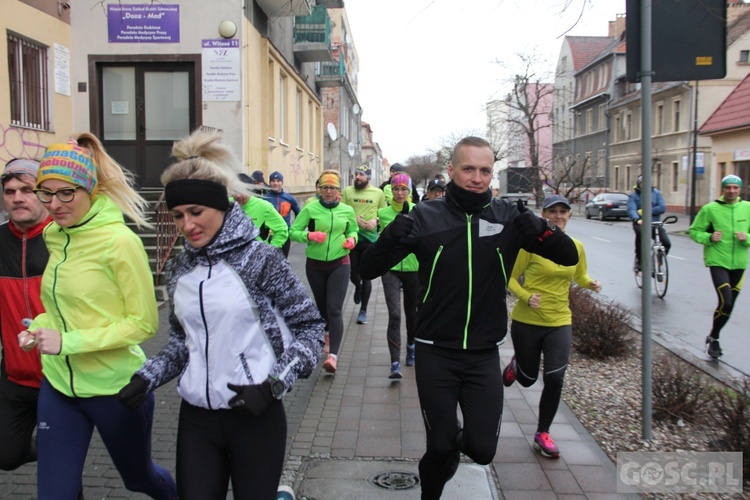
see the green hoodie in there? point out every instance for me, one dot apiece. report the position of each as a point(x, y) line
point(265, 217)
point(98, 293)
point(729, 253)
point(339, 223)
point(385, 217)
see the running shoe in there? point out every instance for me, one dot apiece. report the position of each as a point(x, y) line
point(285, 493)
point(330, 364)
point(713, 348)
point(395, 371)
point(544, 445)
point(327, 345)
point(362, 317)
point(357, 294)
point(509, 374)
point(410, 354)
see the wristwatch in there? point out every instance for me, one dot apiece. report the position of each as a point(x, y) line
point(277, 387)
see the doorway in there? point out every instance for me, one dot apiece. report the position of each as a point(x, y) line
point(143, 108)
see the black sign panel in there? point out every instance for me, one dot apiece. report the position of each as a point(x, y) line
point(688, 39)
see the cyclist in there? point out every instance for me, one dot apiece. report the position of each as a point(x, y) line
point(722, 227)
point(658, 207)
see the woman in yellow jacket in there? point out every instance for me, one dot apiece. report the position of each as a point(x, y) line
point(99, 299)
point(542, 323)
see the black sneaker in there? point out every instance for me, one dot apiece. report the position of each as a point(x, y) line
point(713, 348)
point(357, 294)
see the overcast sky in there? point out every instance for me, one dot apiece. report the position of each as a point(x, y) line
point(427, 67)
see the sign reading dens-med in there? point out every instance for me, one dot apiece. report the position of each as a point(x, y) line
point(147, 23)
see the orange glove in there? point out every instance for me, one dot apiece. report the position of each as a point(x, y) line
point(317, 236)
point(349, 244)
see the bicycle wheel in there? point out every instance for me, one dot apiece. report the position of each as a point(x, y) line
point(638, 273)
point(661, 272)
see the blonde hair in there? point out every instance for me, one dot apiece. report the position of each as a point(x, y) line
point(115, 181)
point(201, 155)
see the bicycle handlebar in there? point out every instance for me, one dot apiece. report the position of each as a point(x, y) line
point(670, 219)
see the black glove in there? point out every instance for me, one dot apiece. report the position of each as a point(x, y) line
point(132, 395)
point(252, 399)
point(401, 225)
point(527, 223)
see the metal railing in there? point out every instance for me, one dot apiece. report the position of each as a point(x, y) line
point(313, 28)
point(166, 235)
point(335, 68)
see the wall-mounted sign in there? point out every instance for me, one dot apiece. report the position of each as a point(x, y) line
point(742, 155)
point(62, 69)
point(146, 23)
point(221, 70)
point(120, 107)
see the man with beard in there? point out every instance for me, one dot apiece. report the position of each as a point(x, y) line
point(366, 200)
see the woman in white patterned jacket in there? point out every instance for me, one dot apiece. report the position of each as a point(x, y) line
point(242, 330)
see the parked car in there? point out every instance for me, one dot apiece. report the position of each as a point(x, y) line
point(608, 206)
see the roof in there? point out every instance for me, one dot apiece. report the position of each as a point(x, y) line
point(733, 112)
point(586, 48)
point(738, 23)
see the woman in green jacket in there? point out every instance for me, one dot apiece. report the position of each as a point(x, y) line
point(98, 294)
point(402, 276)
point(329, 228)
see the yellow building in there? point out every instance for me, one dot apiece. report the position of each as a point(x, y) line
point(35, 83)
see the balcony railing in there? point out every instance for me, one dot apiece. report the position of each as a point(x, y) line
point(312, 36)
point(330, 74)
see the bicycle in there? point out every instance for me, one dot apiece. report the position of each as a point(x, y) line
point(659, 267)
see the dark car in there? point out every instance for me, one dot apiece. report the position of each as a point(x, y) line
point(608, 206)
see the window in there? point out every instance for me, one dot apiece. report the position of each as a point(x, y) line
point(675, 176)
point(29, 95)
point(602, 118)
point(589, 120)
point(744, 56)
point(658, 176)
point(628, 126)
point(659, 119)
point(282, 108)
point(627, 175)
point(676, 109)
point(616, 171)
point(617, 129)
point(600, 164)
point(311, 125)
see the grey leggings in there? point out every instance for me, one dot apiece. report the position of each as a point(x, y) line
point(329, 289)
point(393, 281)
point(529, 342)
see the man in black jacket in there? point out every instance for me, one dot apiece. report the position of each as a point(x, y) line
point(466, 245)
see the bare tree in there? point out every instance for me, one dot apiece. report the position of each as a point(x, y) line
point(423, 167)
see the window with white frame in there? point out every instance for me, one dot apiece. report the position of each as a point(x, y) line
point(29, 91)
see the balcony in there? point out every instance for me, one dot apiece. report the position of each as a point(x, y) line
point(330, 74)
point(284, 8)
point(312, 36)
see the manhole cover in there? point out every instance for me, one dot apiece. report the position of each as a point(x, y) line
point(395, 480)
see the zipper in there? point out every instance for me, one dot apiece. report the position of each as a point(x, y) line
point(59, 312)
point(471, 280)
point(328, 246)
point(24, 276)
point(205, 327)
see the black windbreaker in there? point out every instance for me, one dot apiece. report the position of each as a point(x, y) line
point(463, 279)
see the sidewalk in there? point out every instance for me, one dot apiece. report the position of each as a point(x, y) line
point(356, 430)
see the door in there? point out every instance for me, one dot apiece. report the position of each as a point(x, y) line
point(145, 108)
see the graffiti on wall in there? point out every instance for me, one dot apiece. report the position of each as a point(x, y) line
point(19, 143)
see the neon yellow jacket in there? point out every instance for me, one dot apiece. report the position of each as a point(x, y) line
point(552, 282)
point(265, 218)
point(98, 293)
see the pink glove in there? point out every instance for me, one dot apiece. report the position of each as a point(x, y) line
point(317, 236)
point(349, 243)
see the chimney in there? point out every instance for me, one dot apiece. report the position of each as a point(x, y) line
point(617, 27)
